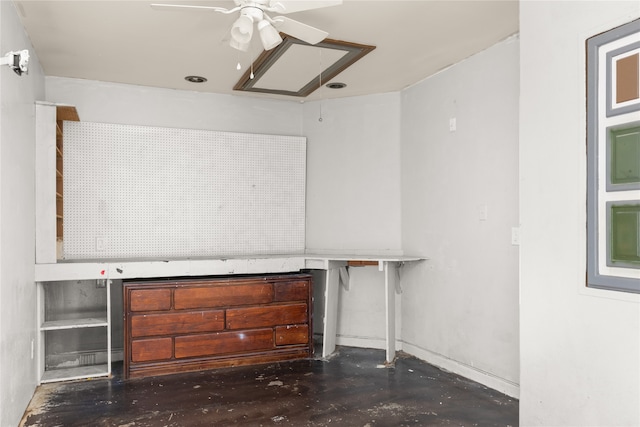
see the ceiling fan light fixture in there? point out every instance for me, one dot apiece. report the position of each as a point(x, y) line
point(240, 46)
point(242, 29)
point(269, 35)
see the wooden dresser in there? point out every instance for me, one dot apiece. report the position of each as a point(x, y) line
point(194, 324)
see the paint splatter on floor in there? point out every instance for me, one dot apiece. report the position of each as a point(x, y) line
point(346, 390)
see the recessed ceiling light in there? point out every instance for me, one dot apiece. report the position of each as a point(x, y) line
point(195, 79)
point(336, 85)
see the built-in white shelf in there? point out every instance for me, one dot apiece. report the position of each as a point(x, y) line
point(100, 318)
point(136, 269)
point(74, 323)
point(151, 268)
point(75, 373)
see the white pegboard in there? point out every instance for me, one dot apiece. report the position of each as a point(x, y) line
point(149, 192)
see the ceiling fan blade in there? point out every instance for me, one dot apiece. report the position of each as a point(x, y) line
point(301, 31)
point(291, 6)
point(186, 7)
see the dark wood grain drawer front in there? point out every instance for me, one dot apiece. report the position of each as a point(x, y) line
point(223, 295)
point(291, 291)
point(151, 349)
point(150, 299)
point(203, 323)
point(224, 343)
point(144, 325)
point(257, 317)
point(292, 334)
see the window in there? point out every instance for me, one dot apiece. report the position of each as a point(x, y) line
point(613, 159)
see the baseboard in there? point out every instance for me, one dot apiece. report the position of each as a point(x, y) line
point(361, 342)
point(485, 378)
point(488, 379)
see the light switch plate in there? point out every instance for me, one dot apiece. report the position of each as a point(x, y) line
point(515, 236)
point(484, 212)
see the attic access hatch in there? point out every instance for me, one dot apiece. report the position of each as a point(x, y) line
point(313, 66)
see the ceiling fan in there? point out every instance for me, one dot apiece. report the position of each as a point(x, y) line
point(255, 12)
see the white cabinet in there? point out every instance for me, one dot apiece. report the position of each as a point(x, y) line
point(74, 339)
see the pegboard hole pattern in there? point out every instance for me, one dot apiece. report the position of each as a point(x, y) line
point(149, 192)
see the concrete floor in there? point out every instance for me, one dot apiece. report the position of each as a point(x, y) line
point(349, 389)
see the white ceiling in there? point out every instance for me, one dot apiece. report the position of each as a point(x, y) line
point(129, 42)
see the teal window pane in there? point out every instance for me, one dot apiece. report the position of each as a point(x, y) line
point(625, 235)
point(625, 155)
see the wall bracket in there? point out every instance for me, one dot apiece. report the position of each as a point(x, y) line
point(18, 61)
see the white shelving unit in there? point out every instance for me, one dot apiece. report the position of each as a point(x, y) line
point(87, 314)
point(73, 372)
point(50, 119)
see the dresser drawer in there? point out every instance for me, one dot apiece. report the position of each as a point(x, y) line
point(256, 317)
point(224, 343)
point(144, 325)
point(223, 296)
point(292, 334)
point(291, 291)
point(150, 299)
point(151, 349)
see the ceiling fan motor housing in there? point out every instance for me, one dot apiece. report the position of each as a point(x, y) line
point(255, 13)
point(242, 29)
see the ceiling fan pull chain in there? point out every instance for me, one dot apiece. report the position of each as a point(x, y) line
point(320, 77)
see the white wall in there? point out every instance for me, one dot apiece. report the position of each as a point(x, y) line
point(353, 200)
point(460, 308)
point(353, 171)
point(139, 105)
point(580, 348)
point(17, 217)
